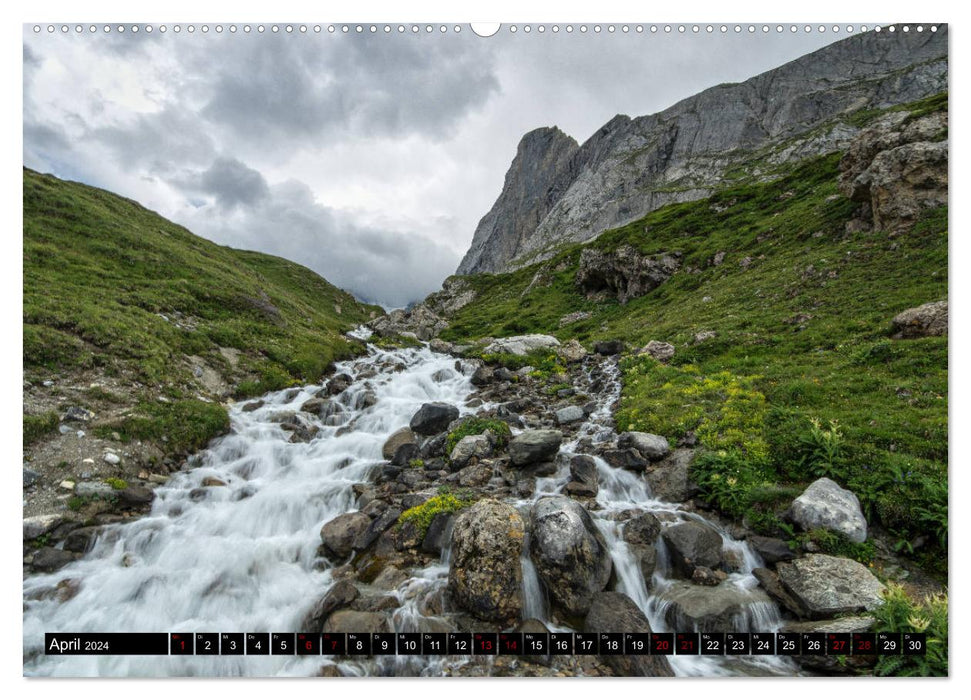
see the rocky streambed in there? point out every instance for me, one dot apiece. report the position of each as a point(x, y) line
point(419, 492)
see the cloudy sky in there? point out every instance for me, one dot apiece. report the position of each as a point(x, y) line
point(368, 158)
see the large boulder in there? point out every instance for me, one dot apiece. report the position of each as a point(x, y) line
point(38, 525)
point(826, 586)
point(659, 350)
point(571, 351)
point(612, 611)
point(652, 447)
point(625, 273)
point(485, 575)
point(692, 544)
point(670, 479)
point(825, 504)
point(338, 535)
point(921, 321)
point(469, 447)
point(706, 608)
point(534, 446)
point(570, 555)
point(404, 436)
point(433, 418)
point(521, 344)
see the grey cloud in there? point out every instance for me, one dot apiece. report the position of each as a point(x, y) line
point(162, 142)
point(387, 267)
point(328, 87)
point(232, 183)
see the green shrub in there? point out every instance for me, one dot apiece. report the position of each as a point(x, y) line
point(423, 515)
point(478, 426)
point(899, 613)
point(823, 450)
point(727, 479)
point(36, 427)
point(116, 483)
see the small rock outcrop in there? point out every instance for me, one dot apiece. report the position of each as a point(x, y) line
point(485, 577)
point(571, 556)
point(921, 321)
point(625, 273)
point(897, 167)
point(825, 504)
point(338, 535)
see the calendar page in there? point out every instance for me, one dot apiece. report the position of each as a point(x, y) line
point(441, 349)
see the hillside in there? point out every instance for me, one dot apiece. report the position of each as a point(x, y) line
point(133, 326)
point(778, 302)
point(557, 191)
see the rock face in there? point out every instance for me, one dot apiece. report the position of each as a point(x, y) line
point(921, 321)
point(897, 167)
point(420, 322)
point(485, 577)
point(624, 273)
point(433, 418)
point(825, 586)
point(613, 610)
point(522, 344)
point(534, 446)
point(570, 554)
point(556, 192)
point(537, 178)
point(825, 504)
point(692, 545)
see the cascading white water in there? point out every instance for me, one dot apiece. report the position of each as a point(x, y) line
point(238, 557)
point(243, 557)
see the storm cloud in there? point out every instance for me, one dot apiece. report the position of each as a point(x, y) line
point(367, 157)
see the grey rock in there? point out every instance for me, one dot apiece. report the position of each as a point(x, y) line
point(569, 552)
point(922, 321)
point(396, 440)
point(355, 621)
point(653, 447)
point(571, 351)
point(534, 446)
point(76, 414)
point(30, 477)
point(38, 525)
point(707, 608)
point(405, 453)
point(608, 347)
point(625, 459)
point(769, 580)
point(771, 549)
point(574, 317)
point(338, 535)
point(485, 573)
point(340, 595)
point(469, 447)
point(437, 535)
point(660, 351)
point(82, 539)
point(642, 530)
point(251, 406)
point(670, 479)
point(376, 528)
point(135, 496)
point(48, 559)
point(825, 504)
point(522, 344)
point(612, 610)
point(693, 544)
point(826, 586)
point(569, 414)
point(93, 489)
point(433, 418)
point(482, 376)
point(583, 469)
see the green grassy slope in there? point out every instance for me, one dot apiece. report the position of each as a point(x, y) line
point(114, 288)
point(802, 335)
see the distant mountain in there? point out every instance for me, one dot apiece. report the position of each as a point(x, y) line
point(557, 191)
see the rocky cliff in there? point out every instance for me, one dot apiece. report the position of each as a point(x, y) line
point(558, 192)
